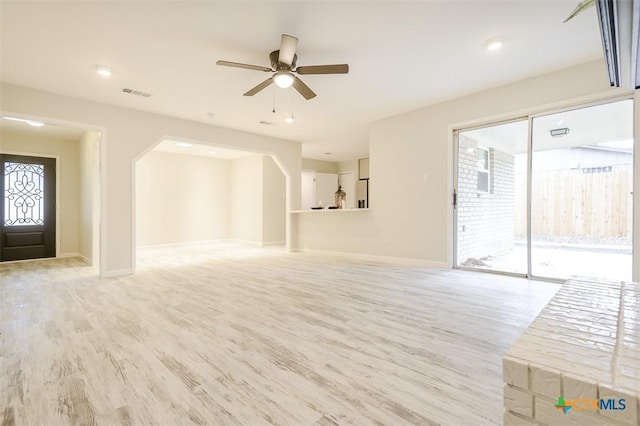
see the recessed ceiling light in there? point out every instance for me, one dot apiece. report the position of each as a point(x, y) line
point(494, 44)
point(105, 72)
point(184, 144)
point(289, 119)
point(328, 153)
point(212, 152)
point(265, 123)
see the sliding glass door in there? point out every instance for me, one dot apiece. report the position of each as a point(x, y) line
point(491, 197)
point(566, 212)
point(581, 192)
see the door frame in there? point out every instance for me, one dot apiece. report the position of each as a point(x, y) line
point(529, 116)
point(57, 158)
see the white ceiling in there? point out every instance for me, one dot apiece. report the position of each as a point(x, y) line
point(402, 56)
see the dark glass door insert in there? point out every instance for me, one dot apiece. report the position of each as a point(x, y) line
point(28, 206)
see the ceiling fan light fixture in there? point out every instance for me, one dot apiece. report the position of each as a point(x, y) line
point(283, 79)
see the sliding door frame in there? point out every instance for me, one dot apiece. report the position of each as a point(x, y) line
point(530, 117)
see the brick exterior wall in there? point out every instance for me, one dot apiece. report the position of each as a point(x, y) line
point(486, 221)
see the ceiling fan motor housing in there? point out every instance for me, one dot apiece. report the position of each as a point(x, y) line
point(274, 57)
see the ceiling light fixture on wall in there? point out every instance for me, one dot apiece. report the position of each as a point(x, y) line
point(184, 144)
point(558, 133)
point(31, 123)
point(283, 79)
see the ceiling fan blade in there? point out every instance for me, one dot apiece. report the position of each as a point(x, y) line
point(302, 88)
point(259, 87)
point(324, 69)
point(288, 46)
point(245, 66)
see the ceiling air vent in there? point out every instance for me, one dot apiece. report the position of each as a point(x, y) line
point(137, 92)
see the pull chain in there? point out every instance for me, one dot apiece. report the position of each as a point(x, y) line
point(274, 100)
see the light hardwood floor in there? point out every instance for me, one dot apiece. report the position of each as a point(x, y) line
point(225, 334)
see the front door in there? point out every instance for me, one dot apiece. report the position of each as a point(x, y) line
point(28, 207)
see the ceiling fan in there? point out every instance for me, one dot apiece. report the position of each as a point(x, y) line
point(283, 65)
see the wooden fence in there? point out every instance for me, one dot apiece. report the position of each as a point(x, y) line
point(577, 203)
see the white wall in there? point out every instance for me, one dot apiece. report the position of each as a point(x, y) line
point(127, 135)
point(67, 150)
point(274, 206)
point(181, 198)
point(319, 165)
point(351, 189)
point(349, 166)
point(89, 191)
point(184, 198)
point(246, 199)
point(411, 168)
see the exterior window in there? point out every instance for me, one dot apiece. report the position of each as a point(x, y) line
point(483, 170)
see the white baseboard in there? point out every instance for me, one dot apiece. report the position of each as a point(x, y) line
point(116, 273)
point(40, 259)
point(274, 243)
point(247, 242)
point(376, 258)
point(181, 244)
point(220, 240)
point(68, 255)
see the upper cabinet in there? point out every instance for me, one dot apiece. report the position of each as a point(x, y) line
point(363, 168)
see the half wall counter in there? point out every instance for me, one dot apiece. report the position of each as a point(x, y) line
point(339, 230)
